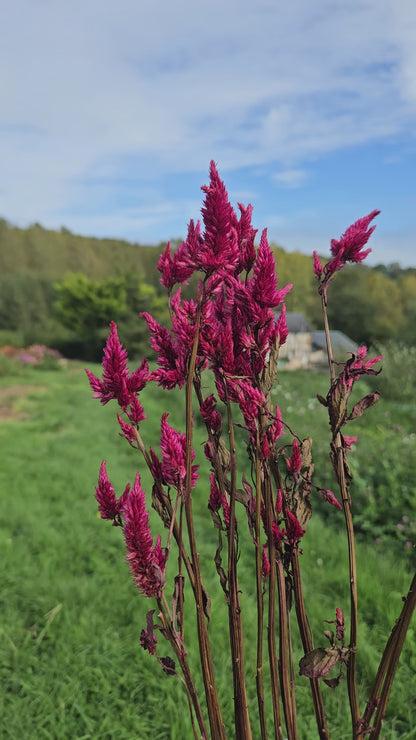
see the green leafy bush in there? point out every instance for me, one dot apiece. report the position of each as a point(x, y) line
point(398, 379)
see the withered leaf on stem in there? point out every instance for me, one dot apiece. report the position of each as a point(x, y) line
point(337, 405)
point(369, 400)
point(270, 372)
point(334, 682)
point(218, 565)
point(303, 509)
point(319, 662)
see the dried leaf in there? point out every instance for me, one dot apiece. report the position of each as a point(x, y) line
point(337, 405)
point(369, 400)
point(218, 565)
point(168, 665)
point(319, 662)
point(270, 372)
point(206, 602)
point(178, 599)
point(334, 682)
point(303, 507)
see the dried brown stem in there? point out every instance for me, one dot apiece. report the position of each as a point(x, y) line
point(271, 632)
point(307, 643)
point(346, 501)
point(284, 668)
point(260, 599)
point(303, 624)
point(211, 694)
point(241, 715)
point(188, 680)
point(390, 660)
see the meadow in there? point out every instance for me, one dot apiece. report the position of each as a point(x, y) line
point(70, 658)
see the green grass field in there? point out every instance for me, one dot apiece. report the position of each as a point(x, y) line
point(70, 659)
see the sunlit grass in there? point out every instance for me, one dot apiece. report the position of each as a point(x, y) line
point(71, 662)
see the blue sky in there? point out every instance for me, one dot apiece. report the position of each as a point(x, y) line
point(111, 113)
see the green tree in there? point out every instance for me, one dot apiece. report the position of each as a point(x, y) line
point(366, 305)
point(407, 290)
point(25, 302)
point(87, 306)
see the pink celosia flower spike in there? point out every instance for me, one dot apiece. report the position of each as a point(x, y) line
point(117, 382)
point(147, 563)
point(220, 246)
point(265, 569)
point(108, 506)
point(173, 448)
point(317, 265)
point(264, 282)
point(294, 463)
point(346, 249)
point(294, 530)
point(356, 236)
point(330, 497)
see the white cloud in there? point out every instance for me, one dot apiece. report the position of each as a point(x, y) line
point(94, 89)
point(292, 178)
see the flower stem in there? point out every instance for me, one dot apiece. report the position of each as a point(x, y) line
point(390, 660)
point(271, 631)
point(260, 599)
point(177, 646)
point(211, 694)
point(241, 715)
point(307, 643)
point(338, 462)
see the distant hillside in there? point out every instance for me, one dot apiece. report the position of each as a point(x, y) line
point(51, 254)
point(367, 304)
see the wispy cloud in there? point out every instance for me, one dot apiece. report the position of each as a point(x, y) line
point(98, 93)
point(292, 178)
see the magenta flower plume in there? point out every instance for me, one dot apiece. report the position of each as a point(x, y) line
point(215, 496)
point(265, 568)
point(294, 463)
point(294, 530)
point(349, 248)
point(117, 382)
point(272, 434)
point(246, 235)
point(220, 246)
point(127, 431)
point(264, 282)
point(317, 265)
point(176, 268)
point(108, 506)
point(330, 497)
point(210, 415)
point(282, 327)
point(348, 441)
point(173, 449)
point(218, 500)
point(172, 357)
point(147, 563)
point(355, 238)
point(357, 366)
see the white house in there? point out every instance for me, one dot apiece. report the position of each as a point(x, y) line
point(306, 346)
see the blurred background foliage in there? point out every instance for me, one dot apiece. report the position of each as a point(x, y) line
point(62, 289)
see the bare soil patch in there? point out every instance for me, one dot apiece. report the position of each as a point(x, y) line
point(9, 397)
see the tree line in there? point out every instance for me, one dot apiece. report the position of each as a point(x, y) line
point(62, 289)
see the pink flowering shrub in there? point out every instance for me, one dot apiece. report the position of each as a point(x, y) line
point(232, 330)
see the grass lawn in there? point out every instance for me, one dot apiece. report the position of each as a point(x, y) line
point(70, 659)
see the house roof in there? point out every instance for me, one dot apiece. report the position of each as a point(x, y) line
point(339, 341)
point(297, 322)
